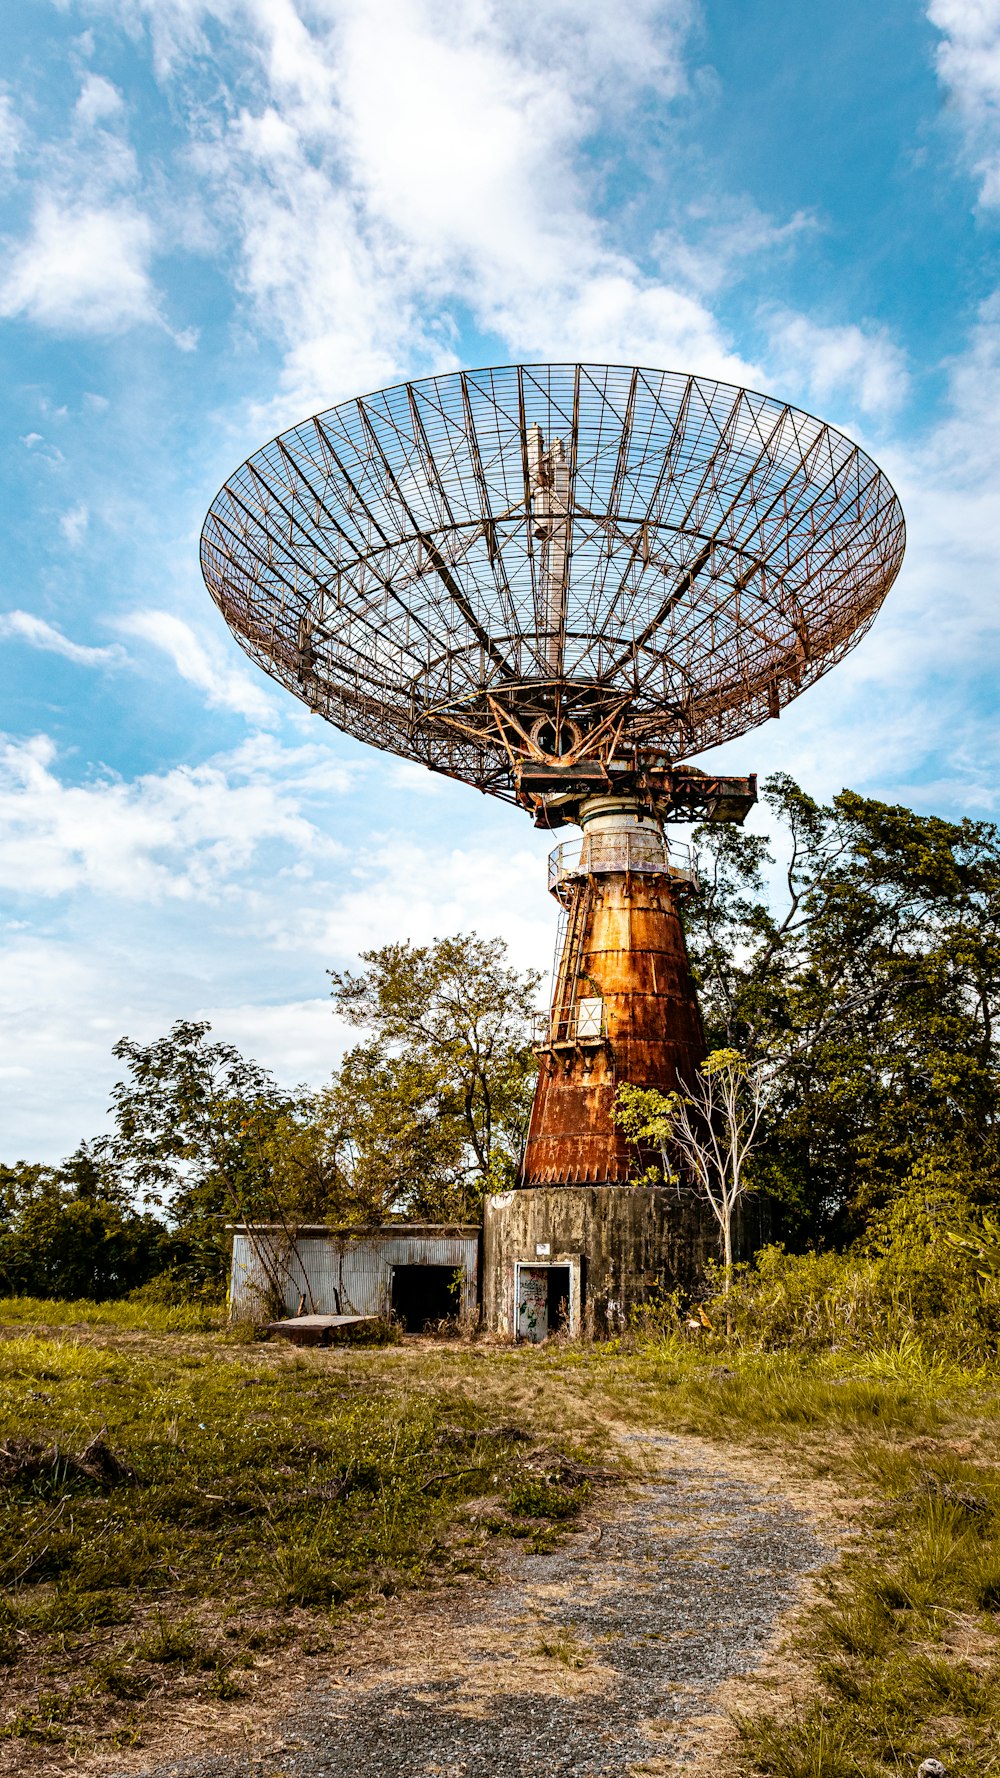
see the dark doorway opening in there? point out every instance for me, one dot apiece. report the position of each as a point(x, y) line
point(558, 1299)
point(422, 1295)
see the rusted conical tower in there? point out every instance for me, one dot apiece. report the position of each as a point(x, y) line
point(624, 1006)
point(560, 583)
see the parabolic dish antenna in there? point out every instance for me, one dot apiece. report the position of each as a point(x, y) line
point(559, 583)
point(541, 579)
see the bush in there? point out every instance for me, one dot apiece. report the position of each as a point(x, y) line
point(908, 1281)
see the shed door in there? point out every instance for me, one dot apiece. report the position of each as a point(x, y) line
point(423, 1295)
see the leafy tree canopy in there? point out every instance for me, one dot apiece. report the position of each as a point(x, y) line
point(194, 1128)
point(434, 1106)
point(67, 1232)
point(868, 981)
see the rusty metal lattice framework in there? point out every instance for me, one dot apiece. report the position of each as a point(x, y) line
point(519, 573)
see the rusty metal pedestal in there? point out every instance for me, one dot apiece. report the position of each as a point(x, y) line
point(624, 1006)
point(579, 1246)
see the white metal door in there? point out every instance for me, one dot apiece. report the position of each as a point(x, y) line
point(531, 1302)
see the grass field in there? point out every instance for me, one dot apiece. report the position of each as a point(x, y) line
point(903, 1649)
point(180, 1508)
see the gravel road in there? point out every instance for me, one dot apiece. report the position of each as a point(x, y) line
point(589, 1660)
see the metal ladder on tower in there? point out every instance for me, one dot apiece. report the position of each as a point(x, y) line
point(562, 1024)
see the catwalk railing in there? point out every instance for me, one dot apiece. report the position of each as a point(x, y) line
point(629, 851)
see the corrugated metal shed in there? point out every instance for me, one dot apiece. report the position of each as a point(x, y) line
point(353, 1271)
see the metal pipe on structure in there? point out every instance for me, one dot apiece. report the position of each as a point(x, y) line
point(624, 1006)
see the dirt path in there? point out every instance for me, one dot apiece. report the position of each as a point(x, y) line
point(601, 1657)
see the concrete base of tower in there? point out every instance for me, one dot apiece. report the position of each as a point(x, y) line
point(582, 1258)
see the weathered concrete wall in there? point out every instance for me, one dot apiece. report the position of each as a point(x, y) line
point(630, 1241)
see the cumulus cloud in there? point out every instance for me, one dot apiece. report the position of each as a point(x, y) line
point(24, 626)
point(423, 887)
point(391, 166)
point(82, 269)
point(84, 263)
point(53, 1050)
point(300, 1040)
point(98, 101)
point(861, 367)
point(226, 871)
point(968, 63)
point(203, 664)
point(185, 834)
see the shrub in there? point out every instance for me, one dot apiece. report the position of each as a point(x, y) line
point(908, 1281)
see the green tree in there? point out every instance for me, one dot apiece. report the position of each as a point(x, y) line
point(66, 1232)
point(193, 1136)
point(375, 1145)
point(436, 1103)
point(870, 985)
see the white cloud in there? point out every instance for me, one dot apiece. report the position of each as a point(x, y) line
point(915, 706)
point(212, 893)
point(394, 163)
point(63, 1006)
point(185, 834)
point(204, 664)
point(423, 888)
point(25, 627)
point(84, 268)
point(859, 366)
point(711, 243)
point(73, 523)
point(968, 63)
point(98, 101)
point(299, 1040)
point(11, 132)
point(53, 1054)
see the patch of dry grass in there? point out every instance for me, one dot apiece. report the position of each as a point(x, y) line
point(174, 1510)
point(274, 1491)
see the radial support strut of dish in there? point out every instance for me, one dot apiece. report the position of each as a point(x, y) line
point(555, 581)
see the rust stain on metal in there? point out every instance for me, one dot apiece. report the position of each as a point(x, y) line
point(626, 948)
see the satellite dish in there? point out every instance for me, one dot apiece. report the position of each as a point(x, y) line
point(544, 579)
point(559, 583)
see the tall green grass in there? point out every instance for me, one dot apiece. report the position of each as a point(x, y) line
point(911, 1281)
point(906, 1642)
point(140, 1314)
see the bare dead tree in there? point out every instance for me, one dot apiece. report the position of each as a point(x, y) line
point(714, 1127)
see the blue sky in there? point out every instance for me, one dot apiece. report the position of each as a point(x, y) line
point(219, 216)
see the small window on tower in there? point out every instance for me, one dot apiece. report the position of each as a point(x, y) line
point(589, 1019)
